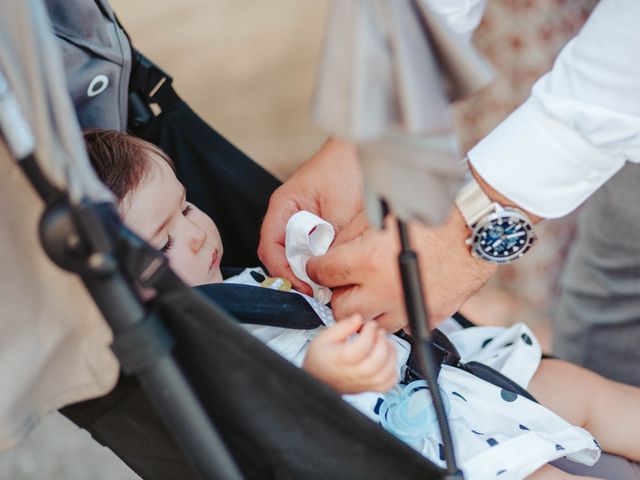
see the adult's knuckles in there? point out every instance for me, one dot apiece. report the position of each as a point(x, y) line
point(328, 271)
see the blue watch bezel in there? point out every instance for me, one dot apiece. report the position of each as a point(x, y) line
point(487, 222)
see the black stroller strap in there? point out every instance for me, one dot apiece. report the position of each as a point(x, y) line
point(441, 348)
point(263, 306)
point(463, 321)
point(148, 85)
point(445, 353)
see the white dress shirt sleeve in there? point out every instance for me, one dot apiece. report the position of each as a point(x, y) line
point(580, 124)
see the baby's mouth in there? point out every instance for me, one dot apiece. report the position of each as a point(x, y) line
point(214, 260)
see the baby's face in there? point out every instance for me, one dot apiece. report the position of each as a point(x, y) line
point(158, 211)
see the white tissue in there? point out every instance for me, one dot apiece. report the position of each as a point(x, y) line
point(307, 235)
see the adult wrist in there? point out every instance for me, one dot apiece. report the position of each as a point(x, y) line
point(495, 196)
point(498, 233)
point(450, 273)
point(460, 232)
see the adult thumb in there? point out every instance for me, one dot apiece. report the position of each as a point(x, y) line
point(336, 268)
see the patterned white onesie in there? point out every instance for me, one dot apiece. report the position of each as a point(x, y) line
point(497, 434)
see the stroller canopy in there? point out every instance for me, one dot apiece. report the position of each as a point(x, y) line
point(54, 347)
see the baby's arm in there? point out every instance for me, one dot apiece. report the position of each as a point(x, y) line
point(607, 409)
point(368, 363)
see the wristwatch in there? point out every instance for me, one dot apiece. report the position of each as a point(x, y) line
point(498, 234)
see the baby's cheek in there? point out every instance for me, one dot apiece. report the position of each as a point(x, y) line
point(180, 264)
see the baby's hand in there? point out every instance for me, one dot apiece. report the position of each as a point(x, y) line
point(368, 363)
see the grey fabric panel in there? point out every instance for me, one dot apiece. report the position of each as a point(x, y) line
point(33, 66)
point(611, 350)
point(94, 48)
point(598, 313)
point(605, 259)
point(609, 467)
point(54, 342)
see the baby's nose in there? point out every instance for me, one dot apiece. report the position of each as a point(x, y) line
point(197, 240)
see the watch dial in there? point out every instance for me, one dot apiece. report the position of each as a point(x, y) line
point(503, 238)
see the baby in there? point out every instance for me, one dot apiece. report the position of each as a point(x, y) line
point(153, 203)
point(498, 434)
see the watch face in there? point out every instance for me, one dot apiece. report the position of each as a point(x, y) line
point(503, 236)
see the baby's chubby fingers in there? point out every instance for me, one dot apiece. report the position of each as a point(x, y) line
point(380, 356)
point(339, 332)
point(385, 380)
point(359, 349)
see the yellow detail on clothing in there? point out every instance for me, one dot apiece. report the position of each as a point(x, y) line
point(277, 283)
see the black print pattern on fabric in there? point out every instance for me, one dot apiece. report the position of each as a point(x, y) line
point(258, 277)
point(508, 396)
point(458, 395)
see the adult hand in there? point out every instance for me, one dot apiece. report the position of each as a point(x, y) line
point(328, 185)
point(365, 275)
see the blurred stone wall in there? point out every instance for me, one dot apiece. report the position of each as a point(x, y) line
point(247, 67)
point(521, 39)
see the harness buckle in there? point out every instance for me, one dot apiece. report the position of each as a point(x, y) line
point(443, 351)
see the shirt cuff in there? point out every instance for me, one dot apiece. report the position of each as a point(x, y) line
point(540, 163)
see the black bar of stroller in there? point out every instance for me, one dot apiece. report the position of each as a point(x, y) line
point(71, 245)
point(418, 321)
point(162, 379)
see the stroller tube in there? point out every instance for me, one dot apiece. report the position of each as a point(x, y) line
point(13, 126)
point(417, 313)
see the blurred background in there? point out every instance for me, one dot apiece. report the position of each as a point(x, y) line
point(248, 69)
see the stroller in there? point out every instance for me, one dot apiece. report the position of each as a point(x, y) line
point(251, 414)
point(260, 417)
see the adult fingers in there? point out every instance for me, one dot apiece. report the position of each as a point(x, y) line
point(339, 267)
point(273, 227)
point(271, 249)
point(279, 267)
point(272, 232)
point(354, 299)
point(352, 230)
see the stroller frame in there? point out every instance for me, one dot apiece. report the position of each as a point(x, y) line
point(77, 239)
point(88, 239)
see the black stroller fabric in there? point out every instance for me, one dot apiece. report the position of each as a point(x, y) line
point(220, 179)
point(278, 421)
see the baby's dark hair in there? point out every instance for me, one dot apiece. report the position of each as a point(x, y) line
point(120, 160)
